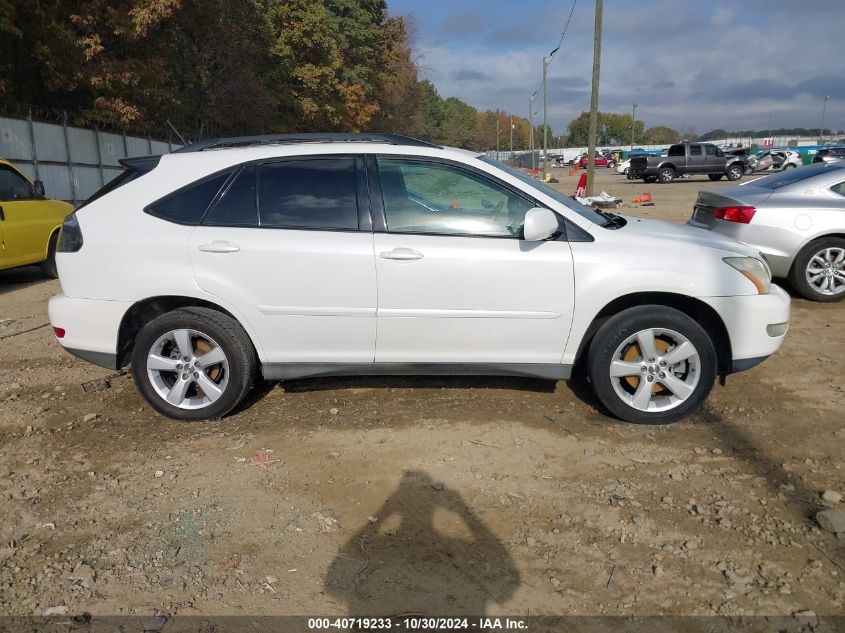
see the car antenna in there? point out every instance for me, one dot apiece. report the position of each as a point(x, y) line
point(172, 127)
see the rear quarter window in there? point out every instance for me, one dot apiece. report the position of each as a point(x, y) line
point(189, 204)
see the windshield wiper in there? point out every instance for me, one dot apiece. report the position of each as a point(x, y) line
point(613, 221)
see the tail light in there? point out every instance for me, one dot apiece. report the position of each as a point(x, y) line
point(59, 332)
point(742, 215)
point(70, 237)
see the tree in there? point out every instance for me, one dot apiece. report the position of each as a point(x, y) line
point(661, 135)
point(613, 129)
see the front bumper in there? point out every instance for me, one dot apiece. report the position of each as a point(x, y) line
point(91, 327)
point(747, 319)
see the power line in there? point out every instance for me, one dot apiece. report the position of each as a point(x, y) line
point(559, 44)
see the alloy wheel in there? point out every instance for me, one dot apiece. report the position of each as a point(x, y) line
point(826, 271)
point(187, 369)
point(655, 370)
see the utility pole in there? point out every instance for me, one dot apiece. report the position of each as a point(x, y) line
point(531, 127)
point(545, 120)
point(821, 128)
point(633, 122)
point(497, 136)
point(594, 100)
point(511, 137)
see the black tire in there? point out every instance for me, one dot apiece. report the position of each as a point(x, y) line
point(226, 332)
point(611, 164)
point(666, 175)
point(789, 166)
point(625, 171)
point(798, 273)
point(715, 177)
point(735, 172)
point(621, 327)
point(48, 266)
point(650, 179)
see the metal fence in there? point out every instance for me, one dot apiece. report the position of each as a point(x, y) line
point(72, 162)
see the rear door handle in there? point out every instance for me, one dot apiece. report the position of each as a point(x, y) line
point(401, 253)
point(219, 247)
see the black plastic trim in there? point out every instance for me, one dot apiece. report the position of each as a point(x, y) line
point(103, 359)
point(745, 364)
point(292, 371)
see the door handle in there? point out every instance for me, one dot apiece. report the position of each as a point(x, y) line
point(401, 253)
point(219, 247)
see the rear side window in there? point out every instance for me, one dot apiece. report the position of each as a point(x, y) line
point(238, 205)
point(308, 194)
point(188, 205)
point(695, 150)
point(839, 188)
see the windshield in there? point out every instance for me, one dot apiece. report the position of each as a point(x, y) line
point(566, 201)
point(776, 181)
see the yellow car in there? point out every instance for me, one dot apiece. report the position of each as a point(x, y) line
point(29, 223)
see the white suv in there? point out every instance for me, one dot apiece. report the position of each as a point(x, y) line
point(311, 255)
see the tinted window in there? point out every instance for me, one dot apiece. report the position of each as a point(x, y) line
point(316, 193)
point(423, 197)
point(237, 207)
point(695, 150)
point(676, 150)
point(711, 150)
point(776, 181)
point(13, 186)
point(839, 188)
point(127, 175)
point(189, 205)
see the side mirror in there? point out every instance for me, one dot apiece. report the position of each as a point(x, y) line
point(540, 224)
point(38, 189)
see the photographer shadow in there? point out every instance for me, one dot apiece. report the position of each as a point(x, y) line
point(426, 554)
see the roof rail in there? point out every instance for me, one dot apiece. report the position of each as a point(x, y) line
point(314, 137)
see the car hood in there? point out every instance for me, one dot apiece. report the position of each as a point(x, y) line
point(684, 234)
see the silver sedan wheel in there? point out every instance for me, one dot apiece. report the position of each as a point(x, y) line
point(655, 370)
point(187, 369)
point(826, 271)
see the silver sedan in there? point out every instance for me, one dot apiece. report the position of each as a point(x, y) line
point(795, 218)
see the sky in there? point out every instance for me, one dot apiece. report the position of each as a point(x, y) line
point(693, 65)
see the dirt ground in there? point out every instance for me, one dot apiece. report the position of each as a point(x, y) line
point(414, 495)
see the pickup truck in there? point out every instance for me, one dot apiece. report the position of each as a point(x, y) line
point(687, 158)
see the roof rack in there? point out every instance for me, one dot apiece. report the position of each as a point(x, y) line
point(316, 137)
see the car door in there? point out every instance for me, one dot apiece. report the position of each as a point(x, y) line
point(456, 283)
point(26, 230)
point(715, 159)
point(289, 244)
point(696, 163)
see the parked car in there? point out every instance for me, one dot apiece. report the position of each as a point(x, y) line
point(777, 160)
point(29, 222)
point(687, 158)
point(601, 160)
point(285, 257)
point(795, 218)
point(624, 167)
point(742, 155)
point(829, 155)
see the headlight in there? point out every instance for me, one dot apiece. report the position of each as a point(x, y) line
point(754, 270)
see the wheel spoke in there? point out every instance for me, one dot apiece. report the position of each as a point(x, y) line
point(841, 257)
point(679, 353)
point(212, 357)
point(177, 392)
point(209, 388)
point(677, 386)
point(645, 341)
point(162, 363)
point(642, 396)
point(621, 368)
point(183, 342)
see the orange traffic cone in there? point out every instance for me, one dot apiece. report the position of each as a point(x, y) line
point(581, 189)
point(646, 197)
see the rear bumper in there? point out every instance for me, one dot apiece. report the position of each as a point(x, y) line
point(751, 320)
point(91, 327)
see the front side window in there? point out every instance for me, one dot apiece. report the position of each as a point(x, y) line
point(711, 150)
point(427, 197)
point(13, 186)
point(188, 205)
point(315, 193)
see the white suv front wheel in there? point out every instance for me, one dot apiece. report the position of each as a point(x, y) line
point(193, 364)
point(651, 365)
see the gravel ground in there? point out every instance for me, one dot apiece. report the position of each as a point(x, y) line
point(409, 495)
